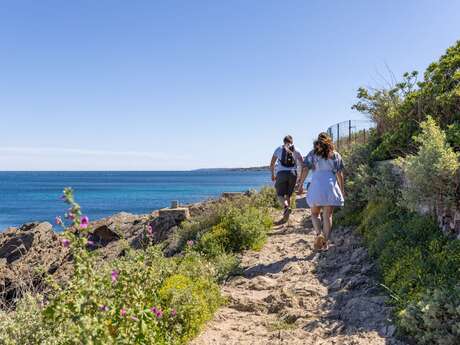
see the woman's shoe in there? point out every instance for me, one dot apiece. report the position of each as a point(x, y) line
point(320, 242)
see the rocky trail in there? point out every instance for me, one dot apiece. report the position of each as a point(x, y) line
point(289, 294)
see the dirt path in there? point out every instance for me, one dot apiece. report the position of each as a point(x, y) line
point(289, 294)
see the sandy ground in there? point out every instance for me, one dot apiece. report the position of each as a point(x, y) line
point(289, 294)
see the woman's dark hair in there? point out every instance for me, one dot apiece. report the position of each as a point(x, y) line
point(323, 146)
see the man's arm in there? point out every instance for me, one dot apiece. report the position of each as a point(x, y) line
point(272, 167)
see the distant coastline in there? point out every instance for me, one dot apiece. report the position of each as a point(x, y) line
point(263, 168)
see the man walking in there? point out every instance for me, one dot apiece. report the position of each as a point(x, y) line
point(284, 163)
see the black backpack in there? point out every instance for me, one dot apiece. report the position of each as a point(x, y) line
point(287, 158)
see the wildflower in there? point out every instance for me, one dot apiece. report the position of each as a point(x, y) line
point(157, 312)
point(173, 312)
point(84, 222)
point(190, 243)
point(89, 243)
point(122, 312)
point(149, 230)
point(103, 308)
point(114, 276)
point(65, 242)
point(58, 220)
point(70, 215)
point(134, 318)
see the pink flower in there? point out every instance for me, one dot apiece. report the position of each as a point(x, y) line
point(114, 276)
point(58, 220)
point(173, 312)
point(134, 318)
point(103, 308)
point(157, 312)
point(149, 230)
point(84, 222)
point(90, 243)
point(65, 242)
point(190, 243)
point(70, 215)
point(122, 312)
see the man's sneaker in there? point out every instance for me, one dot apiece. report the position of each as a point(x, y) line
point(286, 214)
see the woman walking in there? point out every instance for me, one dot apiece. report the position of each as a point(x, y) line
point(326, 189)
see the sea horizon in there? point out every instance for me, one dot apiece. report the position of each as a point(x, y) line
point(29, 196)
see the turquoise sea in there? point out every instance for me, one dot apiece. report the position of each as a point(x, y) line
point(35, 196)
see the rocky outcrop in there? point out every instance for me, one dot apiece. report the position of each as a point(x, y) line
point(31, 252)
point(26, 255)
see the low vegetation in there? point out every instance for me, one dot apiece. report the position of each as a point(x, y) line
point(395, 204)
point(142, 297)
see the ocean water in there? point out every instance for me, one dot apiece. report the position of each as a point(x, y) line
point(35, 196)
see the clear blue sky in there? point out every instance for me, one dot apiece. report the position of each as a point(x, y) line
point(155, 85)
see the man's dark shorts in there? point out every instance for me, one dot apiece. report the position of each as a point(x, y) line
point(285, 182)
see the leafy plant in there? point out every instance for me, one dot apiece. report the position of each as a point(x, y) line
point(435, 318)
point(432, 172)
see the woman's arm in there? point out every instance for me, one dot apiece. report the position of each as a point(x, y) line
point(341, 181)
point(303, 176)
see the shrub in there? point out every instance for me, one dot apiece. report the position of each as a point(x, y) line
point(143, 297)
point(194, 301)
point(24, 324)
point(265, 198)
point(435, 319)
point(431, 173)
point(247, 228)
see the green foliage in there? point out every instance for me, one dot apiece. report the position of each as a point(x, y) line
point(247, 228)
point(417, 263)
point(195, 302)
point(265, 198)
point(432, 171)
point(412, 254)
point(24, 324)
point(143, 297)
point(453, 136)
point(357, 172)
point(399, 109)
point(435, 318)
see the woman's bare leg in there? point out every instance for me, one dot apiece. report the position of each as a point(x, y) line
point(327, 221)
point(316, 219)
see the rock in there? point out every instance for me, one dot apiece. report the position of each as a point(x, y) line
point(179, 214)
point(336, 285)
point(232, 195)
point(28, 252)
point(261, 283)
point(358, 255)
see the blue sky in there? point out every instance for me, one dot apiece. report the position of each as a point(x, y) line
point(157, 85)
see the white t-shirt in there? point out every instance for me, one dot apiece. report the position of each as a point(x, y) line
point(297, 157)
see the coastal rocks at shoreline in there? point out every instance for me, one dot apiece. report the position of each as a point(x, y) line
point(33, 251)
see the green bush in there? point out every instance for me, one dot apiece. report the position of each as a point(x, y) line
point(143, 297)
point(24, 325)
point(247, 228)
point(453, 136)
point(435, 318)
point(265, 198)
point(432, 172)
point(195, 301)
